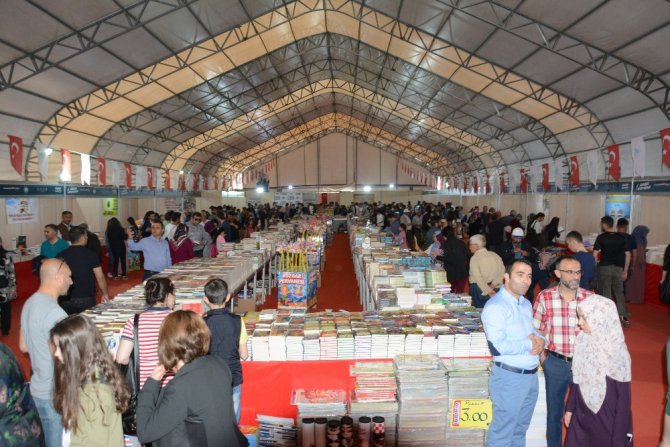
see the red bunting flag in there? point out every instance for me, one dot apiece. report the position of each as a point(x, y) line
point(476, 184)
point(183, 182)
point(205, 185)
point(102, 172)
point(574, 171)
point(665, 145)
point(168, 180)
point(129, 174)
point(216, 183)
point(524, 181)
point(465, 183)
point(196, 179)
point(545, 177)
point(502, 182)
point(66, 165)
point(150, 177)
point(16, 153)
point(488, 185)
point(614, 164)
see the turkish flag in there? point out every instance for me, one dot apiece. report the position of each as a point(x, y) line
point(476, 182)
point(196, 178)
point(465, 183)
point(545, 177)
point(16, 153)
point(150, 177)
point(574, 171)
point(665, 145)
point(502, 183)
point(102, 172)
point(168, 184)
point(183, 182)
point(614, 164)
point(524, 181)
point(129, 174)
point(205, 185)
point(65, 165)
point(216, 183)
point(488, 185)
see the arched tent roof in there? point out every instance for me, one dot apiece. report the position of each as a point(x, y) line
point(214, 86)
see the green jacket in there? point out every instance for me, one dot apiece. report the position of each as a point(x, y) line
point(98, 422)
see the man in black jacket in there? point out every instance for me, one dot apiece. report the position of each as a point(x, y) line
point(456, 259)
point(517, 247)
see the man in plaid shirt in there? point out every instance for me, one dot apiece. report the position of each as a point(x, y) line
point(555, 317)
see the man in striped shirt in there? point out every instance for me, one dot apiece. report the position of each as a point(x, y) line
point(555, 317)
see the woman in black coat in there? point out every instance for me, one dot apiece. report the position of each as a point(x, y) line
point(196, 407)
point(456, 260)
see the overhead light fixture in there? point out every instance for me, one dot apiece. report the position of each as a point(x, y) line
point(260, 190)
point(290, 186)
point(48, 151)
point(391, 186)
point(181, 172)
point(367, 188)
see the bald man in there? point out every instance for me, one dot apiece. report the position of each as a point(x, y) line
point(41, 313)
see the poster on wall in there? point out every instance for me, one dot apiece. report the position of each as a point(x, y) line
point(617, 206)
point(110, 206)
point(21, 210)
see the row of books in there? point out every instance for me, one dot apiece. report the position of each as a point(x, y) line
point(279, 336)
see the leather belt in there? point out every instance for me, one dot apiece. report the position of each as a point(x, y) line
point(560, 356)
point(514, 369)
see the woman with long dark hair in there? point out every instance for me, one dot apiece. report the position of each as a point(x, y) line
point(149, 216)
point(116, 243)
point(89, 392)
point(159, 296)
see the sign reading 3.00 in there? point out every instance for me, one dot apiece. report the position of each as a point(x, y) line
point(471, 413)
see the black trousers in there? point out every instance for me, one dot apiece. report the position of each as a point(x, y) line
point(118, 255)
point(6, 317)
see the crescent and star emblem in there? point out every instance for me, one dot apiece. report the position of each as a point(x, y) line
point(14, 150)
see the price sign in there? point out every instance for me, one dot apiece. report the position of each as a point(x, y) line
point(471, 413)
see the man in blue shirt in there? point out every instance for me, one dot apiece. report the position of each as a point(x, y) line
point(53, 244)
point(156, 250)
point(515, 345)
point(586, 260)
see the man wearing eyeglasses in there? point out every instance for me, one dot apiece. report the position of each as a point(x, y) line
point(202, 241)
point(555, 317)
point(40, 313)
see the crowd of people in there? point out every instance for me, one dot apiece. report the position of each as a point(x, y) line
point(78, 395)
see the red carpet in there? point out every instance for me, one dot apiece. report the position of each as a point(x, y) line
point(339, 288)
point(646, 337)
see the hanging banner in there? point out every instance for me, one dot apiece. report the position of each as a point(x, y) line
point(21, 210)
point(614, 163)
point(617, 206)
point(665, 145)
point(110, 206)
point(66, 165)
point(102, 172)
point(16, 153)
point(85, 173)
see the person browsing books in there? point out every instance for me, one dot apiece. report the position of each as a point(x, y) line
point(229, 335)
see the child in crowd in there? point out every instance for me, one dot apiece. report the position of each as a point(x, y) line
point(229, 335)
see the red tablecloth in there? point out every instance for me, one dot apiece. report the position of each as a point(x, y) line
point(652, 278)
point(267, 386)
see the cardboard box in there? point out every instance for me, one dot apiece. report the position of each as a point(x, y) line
point(245, 305)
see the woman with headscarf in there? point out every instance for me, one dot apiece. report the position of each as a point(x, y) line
point(636, 283)
point(181, 247)
point(598, 410)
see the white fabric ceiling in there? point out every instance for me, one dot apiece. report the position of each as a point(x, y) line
point(479, 84)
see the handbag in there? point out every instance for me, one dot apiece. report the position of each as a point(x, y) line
point(664, 291)
point(131, 372)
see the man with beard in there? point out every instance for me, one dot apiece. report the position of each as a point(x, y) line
point(515, 345)
point(555, 317)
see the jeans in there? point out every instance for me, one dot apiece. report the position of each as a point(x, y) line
point(514, 396)
point(609, 278)
point(237, 401)
point(557, 376)
point(51, 422)
point(478, 298)
point(118, 256)
point(6, 317)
